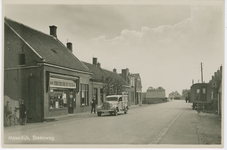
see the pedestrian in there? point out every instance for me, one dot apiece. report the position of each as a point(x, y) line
point(23, 113)
point(7, 110)
point(186, 99)
point(93, 103)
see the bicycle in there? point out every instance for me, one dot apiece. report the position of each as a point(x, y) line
point(13, 119)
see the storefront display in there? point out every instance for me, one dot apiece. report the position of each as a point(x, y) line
point(58, 99)
point(62, 92)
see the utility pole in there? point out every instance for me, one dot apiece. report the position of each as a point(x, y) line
point(201, 72)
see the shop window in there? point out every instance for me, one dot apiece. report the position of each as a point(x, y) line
point(58, 99)
point(84, 95)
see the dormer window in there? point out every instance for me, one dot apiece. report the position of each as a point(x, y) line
point(21, 58)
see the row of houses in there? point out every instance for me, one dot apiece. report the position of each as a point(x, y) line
point(216, 91)
point(51, 80)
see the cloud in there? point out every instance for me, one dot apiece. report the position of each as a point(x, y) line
point(189, 31)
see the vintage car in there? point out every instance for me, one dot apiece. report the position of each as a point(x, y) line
point(113, 105)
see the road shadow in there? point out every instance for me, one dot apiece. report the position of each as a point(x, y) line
point(108, 115)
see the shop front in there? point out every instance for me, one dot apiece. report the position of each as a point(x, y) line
point(62, 93)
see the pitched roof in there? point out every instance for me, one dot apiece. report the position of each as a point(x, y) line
point(115, 76)
point(98, 73)
point(46, 46)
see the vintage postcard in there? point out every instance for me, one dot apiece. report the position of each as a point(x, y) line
point(113, 74)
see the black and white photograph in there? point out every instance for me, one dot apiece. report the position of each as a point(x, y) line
point(113, 74)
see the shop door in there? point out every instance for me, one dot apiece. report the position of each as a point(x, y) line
point(71, 101)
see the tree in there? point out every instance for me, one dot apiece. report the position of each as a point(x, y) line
point(111, 86)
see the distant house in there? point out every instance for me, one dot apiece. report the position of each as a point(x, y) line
point(42, 71)
point(155, 95)
point(174, 95)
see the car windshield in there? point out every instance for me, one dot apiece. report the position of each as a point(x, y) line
point(111, 98)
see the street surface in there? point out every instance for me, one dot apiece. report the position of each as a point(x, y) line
point(173, 122)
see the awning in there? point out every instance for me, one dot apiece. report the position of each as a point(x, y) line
point(53, 75)
point(56, 82)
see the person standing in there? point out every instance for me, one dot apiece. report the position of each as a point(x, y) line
point(186, 99)
point(93, 103)
point(23, 113)
point(7, 110)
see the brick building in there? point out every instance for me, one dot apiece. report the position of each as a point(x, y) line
point(155, 95)
point(42, 71)
point(130, 79)
point(216, 90)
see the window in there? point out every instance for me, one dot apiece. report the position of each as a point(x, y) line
point(84, 95)
point(111, 98)
point(57, 99)
point(204, 90)
point(21, 58)
point(198, 90)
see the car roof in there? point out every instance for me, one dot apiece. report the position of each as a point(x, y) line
point(115, 96)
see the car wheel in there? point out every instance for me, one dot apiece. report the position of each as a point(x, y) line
point(111, 113)
point(126, 111)
point(99, 114)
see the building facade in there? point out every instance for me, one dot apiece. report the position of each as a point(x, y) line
point(216, 91)
point(155, 95)
point(130, 79)
point(43, 72)
point(138, 89)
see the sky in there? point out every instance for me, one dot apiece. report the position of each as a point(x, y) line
point(165, 43)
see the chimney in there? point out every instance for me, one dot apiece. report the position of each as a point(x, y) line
point(95, 61)
point(99, 65)
point(115, 70)
point(70, 46)
point(53, 30)
point(125, 73)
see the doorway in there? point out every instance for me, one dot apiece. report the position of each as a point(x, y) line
point(71, 101)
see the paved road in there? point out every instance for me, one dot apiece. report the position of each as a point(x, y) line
point(165, 123)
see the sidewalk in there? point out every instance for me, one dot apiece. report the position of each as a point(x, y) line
point(193, 128)
point(209, 128)
point(52, 120)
